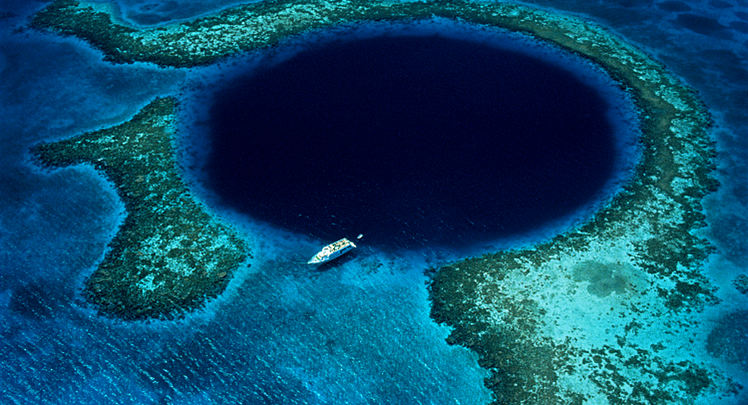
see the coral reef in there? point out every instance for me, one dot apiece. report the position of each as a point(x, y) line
point(170, 255)
point(741, 283)
point(545, 339)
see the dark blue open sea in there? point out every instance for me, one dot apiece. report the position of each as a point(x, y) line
point(436, 140)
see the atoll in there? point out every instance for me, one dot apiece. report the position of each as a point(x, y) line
point(170, 255)
point(598, 314)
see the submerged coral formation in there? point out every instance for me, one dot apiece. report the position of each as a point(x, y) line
point(599, 314)
point(170, 255)
point(208, 39)
point(741, 283)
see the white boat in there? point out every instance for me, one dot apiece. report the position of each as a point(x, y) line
point(332, 251)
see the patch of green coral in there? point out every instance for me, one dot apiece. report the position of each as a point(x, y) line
point(170, 255)
point(208, 39)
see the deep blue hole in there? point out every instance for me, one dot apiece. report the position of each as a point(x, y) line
point(411, 141)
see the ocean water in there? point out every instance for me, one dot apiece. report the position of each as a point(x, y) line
point(356, 332)
point(418, 138)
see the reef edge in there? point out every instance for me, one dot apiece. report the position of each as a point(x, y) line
point(170, 255)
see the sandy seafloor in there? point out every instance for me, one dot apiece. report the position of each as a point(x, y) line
point(283, 333)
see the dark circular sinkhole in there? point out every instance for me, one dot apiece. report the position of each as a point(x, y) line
point(410, 140)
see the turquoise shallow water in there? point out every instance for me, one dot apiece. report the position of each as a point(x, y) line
point(283, 332)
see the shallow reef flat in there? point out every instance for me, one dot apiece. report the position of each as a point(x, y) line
point(170, 255)
point(605, 313)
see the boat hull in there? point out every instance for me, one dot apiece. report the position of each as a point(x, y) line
point(332, 251)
